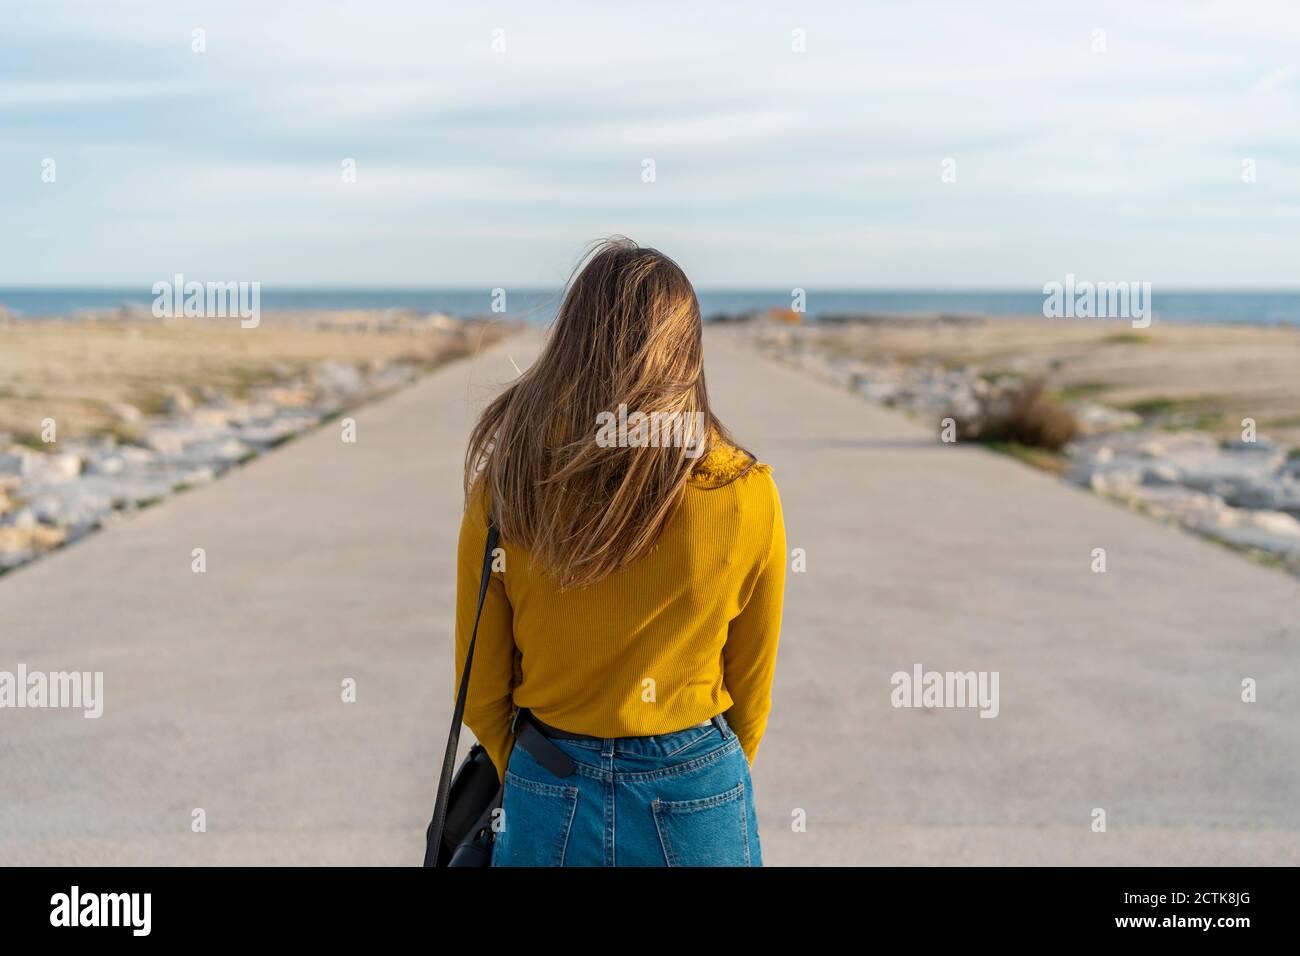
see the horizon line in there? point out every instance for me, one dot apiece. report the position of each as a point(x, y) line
point(784, 290)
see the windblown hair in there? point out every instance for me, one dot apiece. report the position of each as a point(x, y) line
point(628, 332)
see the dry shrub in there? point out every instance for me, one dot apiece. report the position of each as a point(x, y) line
point(1024, 414)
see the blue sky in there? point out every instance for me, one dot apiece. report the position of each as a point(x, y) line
point(773, 168)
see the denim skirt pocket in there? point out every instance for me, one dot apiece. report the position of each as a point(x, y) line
point(535, 824)
point(710, 831)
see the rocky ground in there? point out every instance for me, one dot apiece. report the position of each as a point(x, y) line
point(101, 417)
point(1142, 441)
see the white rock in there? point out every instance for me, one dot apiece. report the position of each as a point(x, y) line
point(1273, 494)
point(43, 469)
point(105, 465)
point(211, 416)
point(70, 506)
point(178, 402)
point(123, 412)
point(1120, 481)
point(338, 376)
point(222, 450)
point(171, 437)
point(272, 433)
point(14, 463)
point(1161, 473)
point(1270, 531)
point(126, 459)
point(1095, 418)
point(12, 559)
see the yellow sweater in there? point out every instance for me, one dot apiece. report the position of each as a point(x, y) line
point(688, 632)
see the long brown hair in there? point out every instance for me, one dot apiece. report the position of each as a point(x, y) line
point(628, 332)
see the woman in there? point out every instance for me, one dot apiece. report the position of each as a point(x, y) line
point(623, 668)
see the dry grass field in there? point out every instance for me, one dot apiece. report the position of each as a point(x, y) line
point(1207, 377)
point(100, 375)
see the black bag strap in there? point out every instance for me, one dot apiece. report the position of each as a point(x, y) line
point(433, 838)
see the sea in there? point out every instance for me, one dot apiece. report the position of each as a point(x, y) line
point(1249, 307)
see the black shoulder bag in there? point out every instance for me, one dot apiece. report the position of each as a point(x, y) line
point(460, 833)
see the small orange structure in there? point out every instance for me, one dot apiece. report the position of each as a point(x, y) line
point(789, 316)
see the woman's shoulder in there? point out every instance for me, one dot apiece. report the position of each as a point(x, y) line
point(478, 509)
point(728, 465)
point(730, 485)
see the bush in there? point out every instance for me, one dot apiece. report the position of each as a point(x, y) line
point(1022, 414)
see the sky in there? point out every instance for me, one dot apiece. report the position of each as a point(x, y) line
point(914, 144)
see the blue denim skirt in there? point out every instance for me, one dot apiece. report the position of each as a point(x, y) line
point(680, 799)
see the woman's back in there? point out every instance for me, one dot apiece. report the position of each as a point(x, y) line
point(686, 632)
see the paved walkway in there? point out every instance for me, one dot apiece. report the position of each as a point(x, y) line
point(328, 561)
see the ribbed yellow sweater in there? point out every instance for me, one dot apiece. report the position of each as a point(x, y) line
point(688, 632)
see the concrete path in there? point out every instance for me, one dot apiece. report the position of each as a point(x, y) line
point(328, 561)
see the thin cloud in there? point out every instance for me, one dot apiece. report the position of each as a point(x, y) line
point(823, 165)
point(1276, 79)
